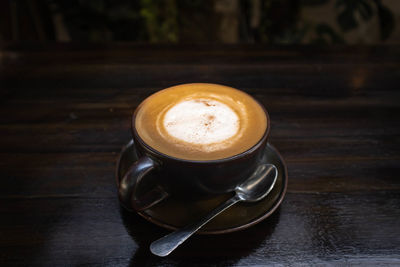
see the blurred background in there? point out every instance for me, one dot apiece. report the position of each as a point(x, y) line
point(202, 21)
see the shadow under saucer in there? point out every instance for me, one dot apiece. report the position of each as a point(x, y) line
point(201, 249)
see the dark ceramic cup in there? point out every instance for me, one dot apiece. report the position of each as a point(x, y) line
point(185, 179)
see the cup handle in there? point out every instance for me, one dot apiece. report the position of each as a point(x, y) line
point(130, 182)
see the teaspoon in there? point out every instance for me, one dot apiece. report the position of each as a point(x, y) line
point(255, 188)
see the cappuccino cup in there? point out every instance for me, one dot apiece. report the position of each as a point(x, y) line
point(199, 139)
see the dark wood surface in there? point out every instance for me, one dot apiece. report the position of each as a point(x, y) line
point(65, 114)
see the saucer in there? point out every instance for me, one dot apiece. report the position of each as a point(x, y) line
point(174, 213)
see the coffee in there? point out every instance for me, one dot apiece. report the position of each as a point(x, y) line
point(200, 121)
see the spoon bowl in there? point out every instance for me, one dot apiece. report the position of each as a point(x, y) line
point(259, 185)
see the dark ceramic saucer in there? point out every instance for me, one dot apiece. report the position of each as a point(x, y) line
point(174, 213)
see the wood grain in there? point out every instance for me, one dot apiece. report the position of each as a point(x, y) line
point(65, 114)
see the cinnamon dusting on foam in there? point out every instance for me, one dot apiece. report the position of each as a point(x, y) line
point(202, 122)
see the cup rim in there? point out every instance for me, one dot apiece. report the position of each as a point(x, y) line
point(234, 157)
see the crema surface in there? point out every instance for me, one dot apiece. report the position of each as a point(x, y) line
point(200, 121)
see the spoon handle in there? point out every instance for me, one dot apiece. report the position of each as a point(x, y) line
point(165, 245)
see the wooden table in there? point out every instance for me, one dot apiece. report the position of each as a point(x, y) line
point(65, 114)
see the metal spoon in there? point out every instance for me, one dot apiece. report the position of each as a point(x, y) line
point(258, 186)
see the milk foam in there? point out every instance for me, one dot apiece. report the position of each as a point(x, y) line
point(201, 121)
